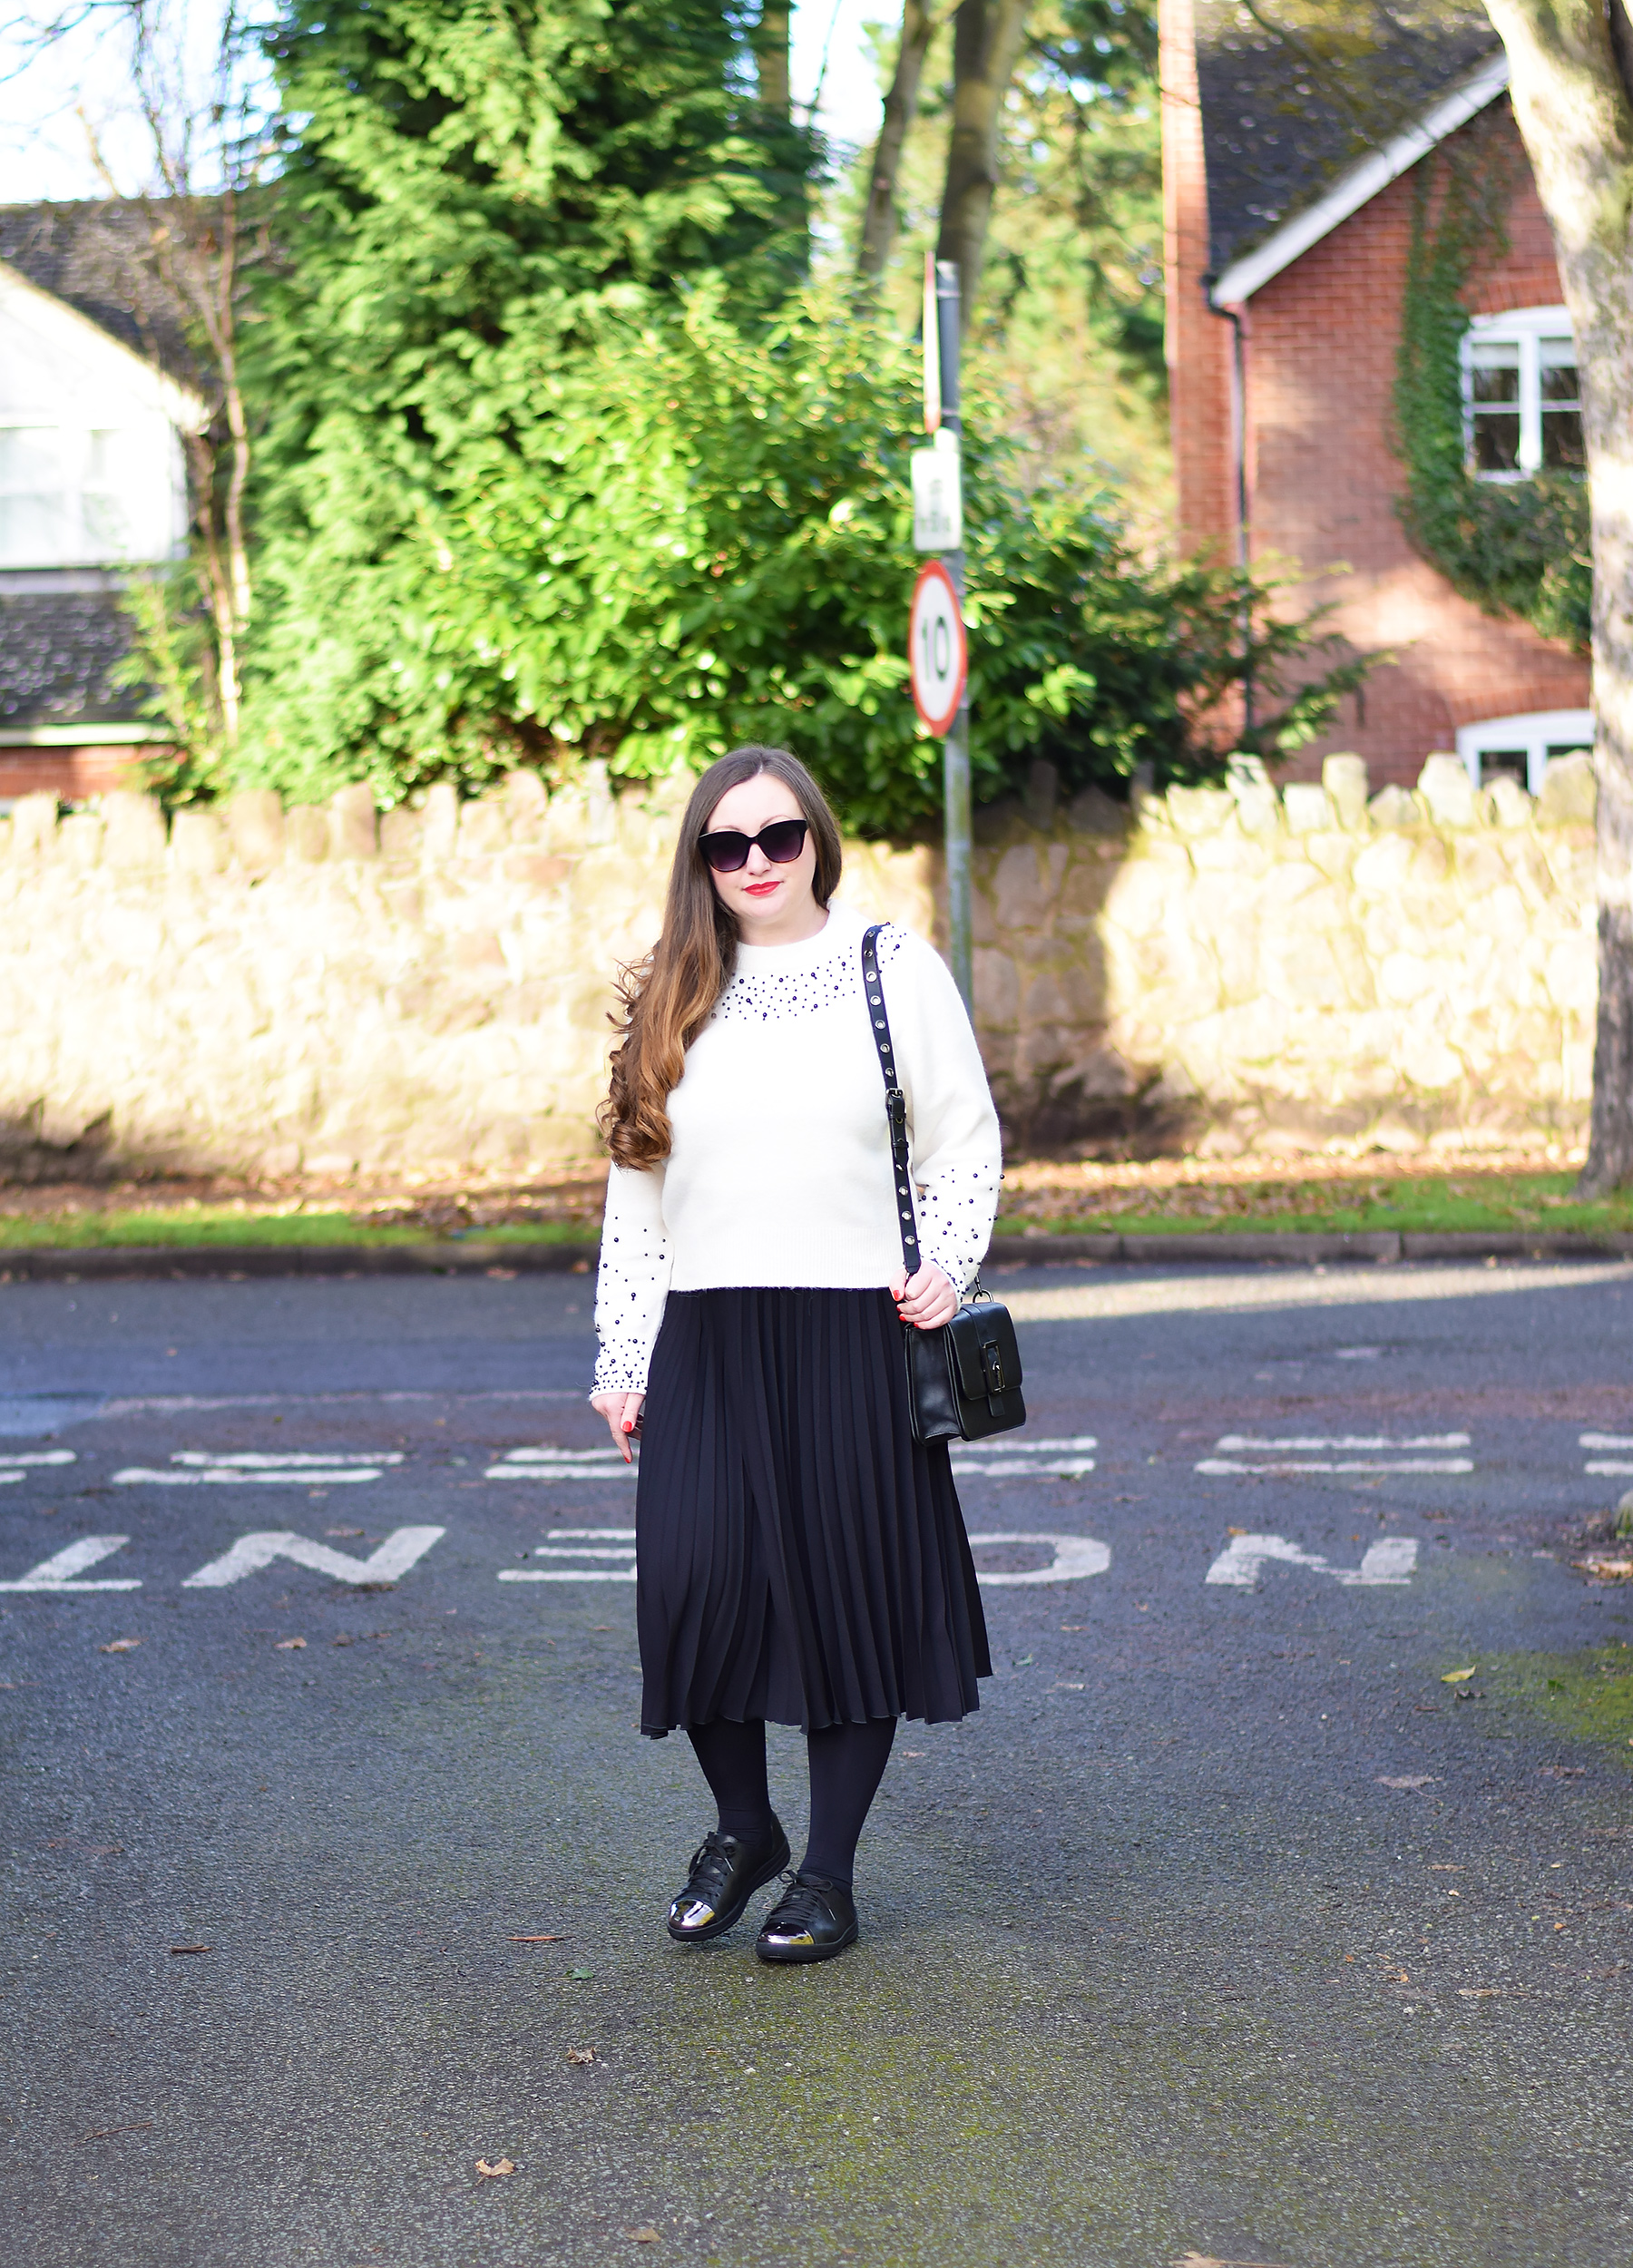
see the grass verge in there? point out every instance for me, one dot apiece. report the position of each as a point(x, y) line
point(225, 1228)
point(1411, 1204)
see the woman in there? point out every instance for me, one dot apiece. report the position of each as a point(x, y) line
point(799, 1558)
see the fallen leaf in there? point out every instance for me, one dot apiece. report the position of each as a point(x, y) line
point(1459, 1676)
point(494, 2172)
point(119, 1646)
point(1478, 1992)
point(1235, 1532)
point(1605, 1570)
point(1448, 1870)
point(559, 1940)
point(343, 1531)
point(502, 1276)
point(289, 1646)
point(192, 1949)
point(640, 2237)
point(1206, 2260)
point(1560, 1771)
point(581, 1972)
point(1407, 1779)
point(581, 2055)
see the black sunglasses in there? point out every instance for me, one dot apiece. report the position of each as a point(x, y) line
point(782, 842)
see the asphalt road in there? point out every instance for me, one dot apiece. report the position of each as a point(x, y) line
point(1225, 1929)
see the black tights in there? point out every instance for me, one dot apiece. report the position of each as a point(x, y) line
point(847, 1763)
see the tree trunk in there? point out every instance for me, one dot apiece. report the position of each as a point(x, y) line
point(771, 54)
point(878, 222)
point(986, 44)
point(1575, 111)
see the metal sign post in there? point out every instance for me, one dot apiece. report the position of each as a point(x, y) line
point(955, 749)
point(936, 633)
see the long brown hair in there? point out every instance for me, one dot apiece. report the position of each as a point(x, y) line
point(667, 997)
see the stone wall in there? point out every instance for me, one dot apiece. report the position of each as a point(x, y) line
point(326, 987)
point(1246, 968)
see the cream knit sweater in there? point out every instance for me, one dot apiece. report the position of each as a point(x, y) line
point(779, 1171)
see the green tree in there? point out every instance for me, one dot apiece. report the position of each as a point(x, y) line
point(696, 536)
point(1068, 326)
point(1571, 65)
point(470, 195)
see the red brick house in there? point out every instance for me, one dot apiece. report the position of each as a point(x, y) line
point(1288, 239)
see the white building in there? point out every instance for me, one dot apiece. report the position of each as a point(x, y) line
point(93, 401)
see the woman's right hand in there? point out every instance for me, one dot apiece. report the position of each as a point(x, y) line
point(622, 1414)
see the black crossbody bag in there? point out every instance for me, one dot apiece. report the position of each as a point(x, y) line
point(963, 1381)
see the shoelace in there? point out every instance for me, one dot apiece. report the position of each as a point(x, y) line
point(710, 1870)
point(796, 1910)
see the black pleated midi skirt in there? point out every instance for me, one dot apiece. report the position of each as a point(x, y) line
point(798, 1556)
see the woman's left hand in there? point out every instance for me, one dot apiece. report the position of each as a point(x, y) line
point(927, 1300)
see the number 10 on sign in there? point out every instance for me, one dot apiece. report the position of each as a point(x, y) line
point(936, 649)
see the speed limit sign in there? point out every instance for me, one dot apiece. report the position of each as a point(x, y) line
point(936, 650)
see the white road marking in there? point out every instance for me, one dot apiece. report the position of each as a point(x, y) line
point(264, 1461)
point(1216, 1465)
point(561, 1464)
point(1104, 1301)
point(38, 1457)
point(1285, 1454)
point(168, 1404)
point(54, 1574)
point(1605, 1441)
point(1015, 1460)
point(209, 1468)
point(1342, 1441)
point(1389, 1562)
point(1074, 1556)
point(250, 1553)
point(579, 1543)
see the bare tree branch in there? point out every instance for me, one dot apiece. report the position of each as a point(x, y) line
point(920, 24)
point(986, 44)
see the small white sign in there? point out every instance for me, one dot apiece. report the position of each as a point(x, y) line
point(938, 496)
point(937, 653)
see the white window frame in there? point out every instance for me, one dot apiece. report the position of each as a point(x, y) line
point(1536, 731)
point(1524, 327)
point(88, 506)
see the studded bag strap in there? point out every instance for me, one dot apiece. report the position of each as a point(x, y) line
point(896, 1101)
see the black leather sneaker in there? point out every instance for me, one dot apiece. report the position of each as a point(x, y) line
point(812, 1920)
point(726, 1872)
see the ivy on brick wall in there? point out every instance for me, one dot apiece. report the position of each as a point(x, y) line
point(1519, 548)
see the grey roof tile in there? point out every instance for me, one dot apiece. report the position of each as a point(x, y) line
point(57, 650)
point(1293, 93)
point(96, 254)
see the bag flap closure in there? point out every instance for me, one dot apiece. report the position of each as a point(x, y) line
point(986, 1357)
